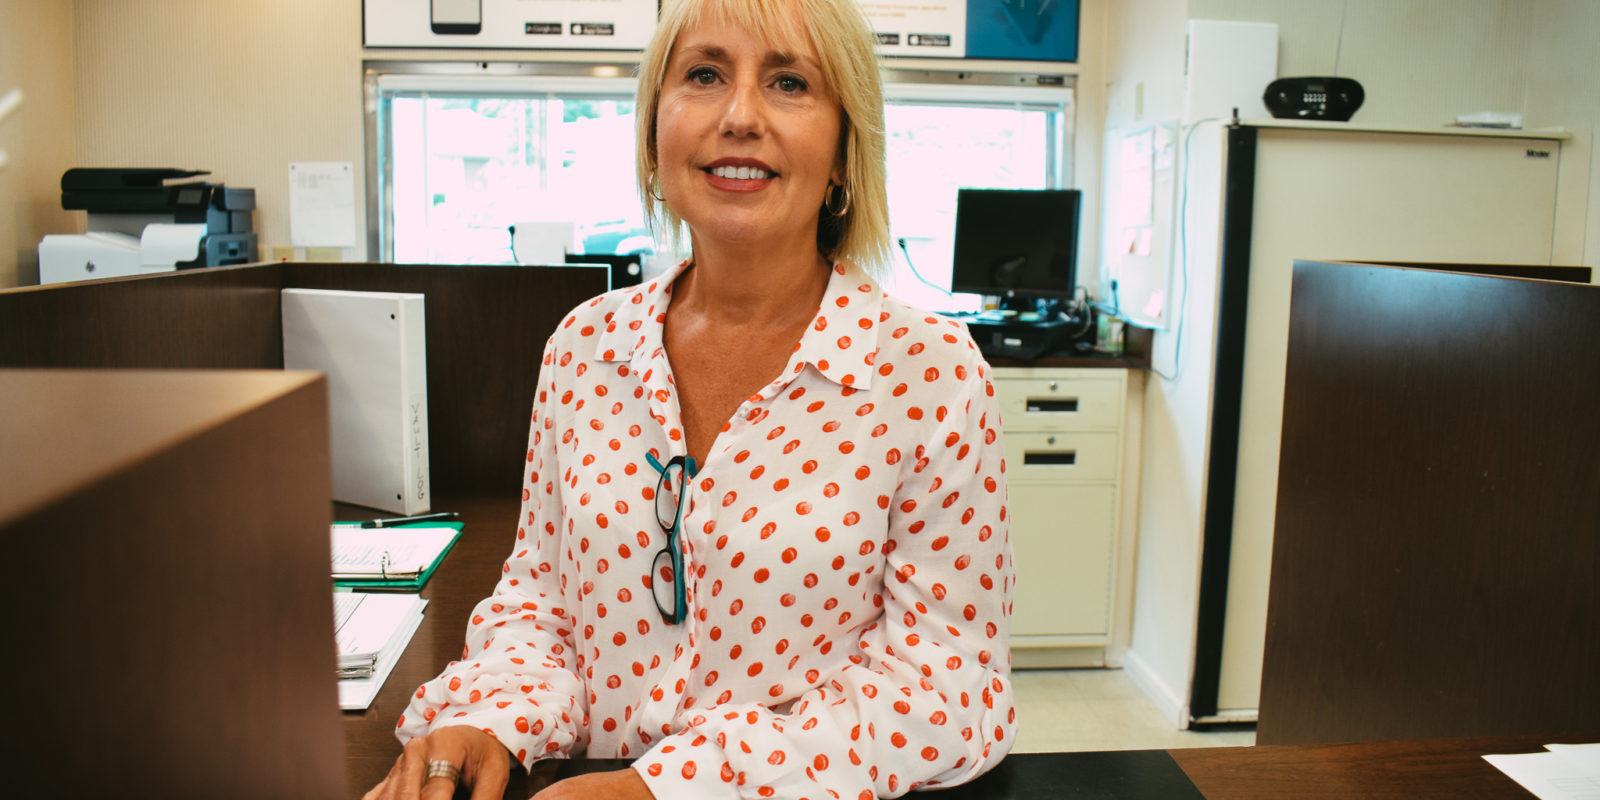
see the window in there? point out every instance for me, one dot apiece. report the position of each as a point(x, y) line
point(462, 160)
point(944, 137)
point(459, 159)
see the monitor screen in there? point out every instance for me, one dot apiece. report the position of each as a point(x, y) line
point(1016, 242)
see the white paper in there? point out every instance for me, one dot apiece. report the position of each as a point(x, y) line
point(366, 622)
point(166, 244)
point(1564, 772)
point(394, 551)
point(322, 204)
point(1136, 188)
point(401, 614)
point(1584, 755)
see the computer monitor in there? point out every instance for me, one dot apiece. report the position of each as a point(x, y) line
point(1016, 242)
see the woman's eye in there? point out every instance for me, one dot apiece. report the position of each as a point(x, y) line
point(790, 84)
point(704, 76)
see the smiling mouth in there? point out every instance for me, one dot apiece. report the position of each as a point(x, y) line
point(741, 173)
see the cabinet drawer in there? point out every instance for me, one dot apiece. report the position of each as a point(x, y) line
point(1059, 403)
point(1043, 456)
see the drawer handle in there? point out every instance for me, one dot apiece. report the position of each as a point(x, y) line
point(1051, 405)
point(1056, 458)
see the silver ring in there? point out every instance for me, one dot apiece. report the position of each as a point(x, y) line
point(444, 769)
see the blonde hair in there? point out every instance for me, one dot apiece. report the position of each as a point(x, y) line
point(845, 46)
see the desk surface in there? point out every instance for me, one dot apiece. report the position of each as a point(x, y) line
point(1449, 768)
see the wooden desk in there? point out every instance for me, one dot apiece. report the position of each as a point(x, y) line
point(1447, 769)
point(1441, 768)
point(468, 575)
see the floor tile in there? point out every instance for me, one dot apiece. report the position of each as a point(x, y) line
point(1100, 709)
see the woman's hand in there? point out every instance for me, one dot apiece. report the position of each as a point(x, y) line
point(622, 784)
point(485, 766)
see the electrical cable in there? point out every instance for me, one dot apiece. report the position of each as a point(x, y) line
point(1182, 307)
point(907, 252)
point(1338, 45)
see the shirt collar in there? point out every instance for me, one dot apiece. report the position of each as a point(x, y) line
point(639, 319)
point(841, 343)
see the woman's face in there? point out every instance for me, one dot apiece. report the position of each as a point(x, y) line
point(747, 138)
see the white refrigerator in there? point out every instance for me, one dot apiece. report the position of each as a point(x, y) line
point(1326, 191)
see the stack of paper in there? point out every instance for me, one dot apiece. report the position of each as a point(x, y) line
point(372, 631)
point(1562, 772)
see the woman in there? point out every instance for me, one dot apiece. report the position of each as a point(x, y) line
point(763, 545)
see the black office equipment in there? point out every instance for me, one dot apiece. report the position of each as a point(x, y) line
point(1020, 245)
point(125, 200)
point(1016, 242)
point(1330, 99)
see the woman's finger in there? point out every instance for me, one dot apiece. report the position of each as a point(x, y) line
point(491, 772)
point(413, 768)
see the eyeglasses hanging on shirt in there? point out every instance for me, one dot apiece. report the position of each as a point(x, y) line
point(666, 569)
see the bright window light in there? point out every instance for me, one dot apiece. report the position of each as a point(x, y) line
point(461, 160)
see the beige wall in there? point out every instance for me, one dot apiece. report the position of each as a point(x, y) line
point(1423, 62)
point(36, 57)
point(1564, 87)
point(240, 89)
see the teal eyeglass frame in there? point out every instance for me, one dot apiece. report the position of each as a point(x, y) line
point(686, 467)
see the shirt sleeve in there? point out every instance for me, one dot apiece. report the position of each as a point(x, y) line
point(516, 678)
point(926, 700)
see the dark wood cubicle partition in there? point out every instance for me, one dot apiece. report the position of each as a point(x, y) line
point(167, 616)
point(486, 328)
point(224, 318)
point(1437, 542)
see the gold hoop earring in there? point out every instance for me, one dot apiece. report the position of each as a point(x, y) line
point(831, 202)
point(654, 188)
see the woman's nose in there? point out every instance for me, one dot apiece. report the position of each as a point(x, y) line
point(743, 114)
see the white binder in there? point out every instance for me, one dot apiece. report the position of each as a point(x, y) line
point(371, 347)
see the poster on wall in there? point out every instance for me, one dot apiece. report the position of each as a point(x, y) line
point(1012, 30)
point(509, 24)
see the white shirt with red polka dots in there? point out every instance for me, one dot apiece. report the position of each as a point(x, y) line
point(846, 549)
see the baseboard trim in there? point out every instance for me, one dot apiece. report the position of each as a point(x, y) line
point(1168, 701)
point(1057, 657)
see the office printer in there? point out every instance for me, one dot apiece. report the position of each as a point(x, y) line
point(139, 223)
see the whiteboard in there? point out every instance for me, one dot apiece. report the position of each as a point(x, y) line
point(1136, 231)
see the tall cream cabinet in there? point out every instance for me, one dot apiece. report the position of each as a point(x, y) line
point(1066, 441)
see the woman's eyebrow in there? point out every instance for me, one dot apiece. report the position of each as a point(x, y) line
point(774, 58)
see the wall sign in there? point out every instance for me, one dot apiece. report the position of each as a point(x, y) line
point(1012, 30)
point(509, 24)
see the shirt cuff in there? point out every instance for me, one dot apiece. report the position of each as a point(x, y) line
point(678, 769)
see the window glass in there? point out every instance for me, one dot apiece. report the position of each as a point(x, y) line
point(461, 167)
point(466, 169)
point(934, 150)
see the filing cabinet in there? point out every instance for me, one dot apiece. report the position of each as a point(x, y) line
point(1064, 437)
